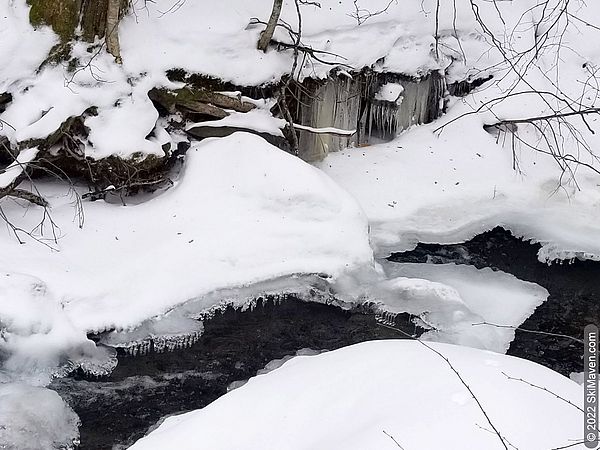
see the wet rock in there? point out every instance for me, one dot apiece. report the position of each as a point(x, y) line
point(5, 99)
point(200, 132)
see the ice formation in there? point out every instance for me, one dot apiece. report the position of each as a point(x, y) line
point(166, 333)
point(367, 105)
point(333, 103)
point(420, 100)
point(450, 300)
point(34, 418)
point(37, 338)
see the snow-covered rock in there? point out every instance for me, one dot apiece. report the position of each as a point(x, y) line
point(367, 395)
point(243, 212)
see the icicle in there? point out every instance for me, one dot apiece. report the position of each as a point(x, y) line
point(386, 318)
point(334, 103)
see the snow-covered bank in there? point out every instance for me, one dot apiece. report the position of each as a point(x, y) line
point(220, 42)
point(217, 42)
point(447, 188)
point(243, 212)
point(450, 180)
point(359, 396)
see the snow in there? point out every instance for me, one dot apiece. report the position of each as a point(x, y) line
point(390, 92)
point(33, 418)
point(16, 168)
point(113, 132)
point(258, 119)
point(218, 42)
point(259, 214)
point(358, 396)
point(22, 49)
point(446, 188)
point(125, 114)
point(215, 41)
point(224, 42)
point(454, 298)
point(33, 324)
point(245, 215)
point(243, 212)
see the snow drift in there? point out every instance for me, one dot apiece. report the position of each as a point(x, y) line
point(365, 395)
point(243, 212)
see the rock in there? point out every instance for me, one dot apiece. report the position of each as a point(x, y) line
point(203, 131)
point(191, 98)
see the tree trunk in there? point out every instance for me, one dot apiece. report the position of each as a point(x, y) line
point(113, 15)
point(96, 19)
point(267, 35)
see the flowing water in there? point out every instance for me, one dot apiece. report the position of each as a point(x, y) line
point(119, 409)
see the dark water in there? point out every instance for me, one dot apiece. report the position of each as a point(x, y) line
point(141, 390)
point(118, 410)
point(574, 289)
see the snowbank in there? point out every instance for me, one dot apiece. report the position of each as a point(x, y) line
point(243, 212)
point(22, 49)
point(450, 180)
point(223, 39)
point(446, 188)
point(35, 332)
point(362, 396)
point(219, 42)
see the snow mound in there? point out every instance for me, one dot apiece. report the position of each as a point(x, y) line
point(442, 188)
point(243, 212)
point(362, 396)
point(33, 418)
point(36, 335)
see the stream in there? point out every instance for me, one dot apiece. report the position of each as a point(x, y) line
point(574, 288)
point(117, 410)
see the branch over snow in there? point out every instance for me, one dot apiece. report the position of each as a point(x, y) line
point(12, 176)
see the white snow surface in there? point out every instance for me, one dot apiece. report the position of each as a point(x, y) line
point(448, 181)
point(359, 396)
point(242, 213)
point(390, 92)
point(258, 214)
point(217, 41)
point(35, 331)
point(16, 168)
point(259, 120)
point(33, 418)
point(456, 298)
point(447, 188)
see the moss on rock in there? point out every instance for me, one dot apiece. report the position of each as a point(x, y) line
point(61, 15)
